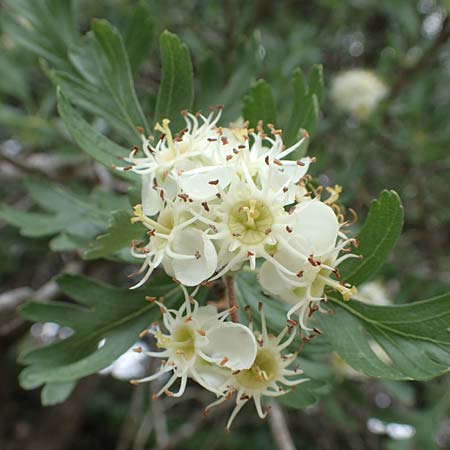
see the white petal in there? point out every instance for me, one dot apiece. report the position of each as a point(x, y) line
point(318, 223)
point(193, 272)
point(206, 316)
point(197, 182)
point(151, 201)
point(231, 345)
point(211, 376)
point(270, 279)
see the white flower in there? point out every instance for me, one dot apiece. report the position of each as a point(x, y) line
point(199, 344)
point(161, 165)
point(358, 92)
point(302, 267)
point(186, 252)
point(268, 376)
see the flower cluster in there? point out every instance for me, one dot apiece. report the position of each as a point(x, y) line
point(224, 357)
point(214, 199)
point(358, 92)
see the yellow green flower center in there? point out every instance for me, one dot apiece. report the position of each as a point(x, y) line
point(182, 341)
point(263, 371)
point(250, 221)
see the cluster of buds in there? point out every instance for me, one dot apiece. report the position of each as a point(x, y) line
point(214, 199)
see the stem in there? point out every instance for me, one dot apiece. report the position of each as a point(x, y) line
point(229, 284)
point(279, 428)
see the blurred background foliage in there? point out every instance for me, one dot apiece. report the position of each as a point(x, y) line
point(404, 146)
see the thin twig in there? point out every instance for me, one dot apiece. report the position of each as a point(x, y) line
point(10, 300)
point(144, 430)
point(229, 284)
point(278, 427)
point(131, 422)
point(159, 418)
point(192, 427)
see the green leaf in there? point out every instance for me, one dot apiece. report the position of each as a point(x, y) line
point(120, 234)
point(176, 91)
point(138, 37)
point(259, 104)
point(89, 139)
point(315, 85)
point(305, 108)
point(405, 342)
point(106, 322)
point(309, 392)
point(54, 393)
point(79, 217)
point(46, 28)
point(115, 69)
point(376, 239)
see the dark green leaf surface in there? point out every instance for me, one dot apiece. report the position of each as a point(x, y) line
point(138, 36)
point(176, 91)
point(410, 342)
point(79, 217)
point(45, 27)
point(316, 81)
point(116, 73)
point(305, 109)
point(376, 239)
point(260, 105)
point(120, 234)
point(54, 393)
point(104, 313)
point(89, 139)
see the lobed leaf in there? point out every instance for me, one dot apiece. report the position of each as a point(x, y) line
point(89, 139)
point(376, 239)
point(405, 342)
point(307, 96)
point(176, 91)
point(106, 322)
point(78, 217)
point(115, 71)
point(119, 235)
point(54, 393)
point(138, 36)
point(260, 105)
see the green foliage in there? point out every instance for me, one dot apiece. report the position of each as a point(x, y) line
point(414, 338)
point(115, 71)
point(260, 105)
point(45, 28)
point(76, 217)
point(176, 91)
point(102, 313)
point(120, 233)
point(54, 393)
point(100, 76)
point(102, 72)
point(376, 239)
point(306, 98)
point(408, 342)
point(138, 36)
point(89, 139)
